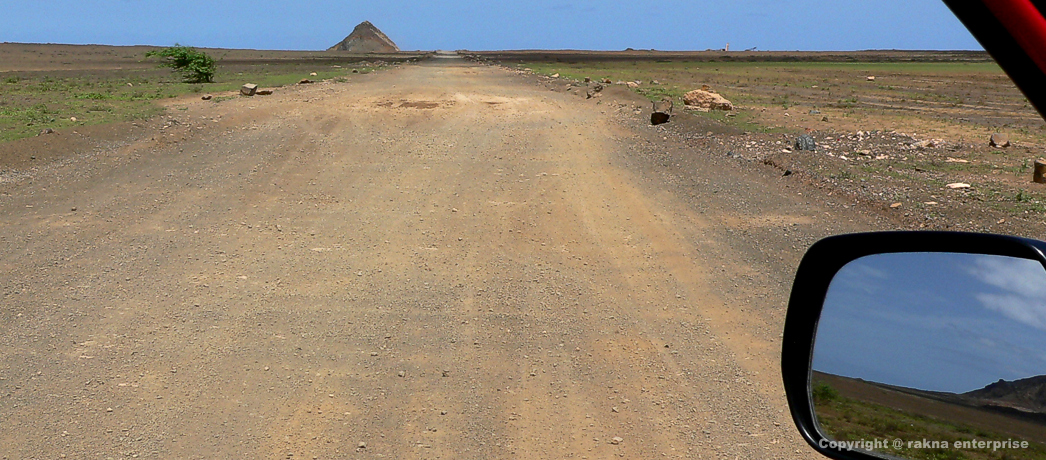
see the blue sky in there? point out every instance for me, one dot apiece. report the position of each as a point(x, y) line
point(942, 322)
point(480, 25)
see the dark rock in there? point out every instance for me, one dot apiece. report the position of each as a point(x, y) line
point(662, 111)
point(248, 89)
point(805, 142)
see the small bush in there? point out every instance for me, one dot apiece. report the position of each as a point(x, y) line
point(822, 392)
point(195, 66)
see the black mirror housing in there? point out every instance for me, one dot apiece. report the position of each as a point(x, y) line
point(815, 272)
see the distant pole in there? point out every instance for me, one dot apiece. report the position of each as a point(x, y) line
point(727, 47)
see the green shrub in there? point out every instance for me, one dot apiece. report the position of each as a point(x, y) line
point(195, 66)
point(822, 393)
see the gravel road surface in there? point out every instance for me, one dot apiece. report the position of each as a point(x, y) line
point(441, 260)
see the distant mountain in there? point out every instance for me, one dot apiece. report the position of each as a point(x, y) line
point(366, 38)
point(1026, 395)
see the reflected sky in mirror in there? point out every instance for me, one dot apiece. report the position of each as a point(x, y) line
point(934, 321)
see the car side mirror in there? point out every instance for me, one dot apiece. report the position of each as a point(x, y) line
point(919, 345)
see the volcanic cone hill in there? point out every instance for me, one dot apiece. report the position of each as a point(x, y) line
point(366, 38)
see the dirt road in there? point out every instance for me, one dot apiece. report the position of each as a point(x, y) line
point(435, 261)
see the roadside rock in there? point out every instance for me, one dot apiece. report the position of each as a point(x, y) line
point(304, 81)
point(999, 140)
point(662, 111)
point(206, 97)
point(957, 185)
point(594, 91)
point(805, 142)
point(703, 99)
point(923, 145)
point(248, 89)
point(264, 92)
point(632, 85)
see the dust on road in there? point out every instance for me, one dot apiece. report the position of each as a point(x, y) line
point(438, 261)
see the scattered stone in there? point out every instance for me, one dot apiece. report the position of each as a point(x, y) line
point(815, 112)
point(613, 409)
point(870, 78)
point(662, 111)
point(957, 185)
point(312, 74)
point(594, 91)
point(606, 81)
point(616, 440)
point(304, 81)
point(805, 142)
point(72, 119)
point(73, 209)
point(206, 97)
point(707, 100)
point(655, 82)
point(863, 152)
point(47, 131)
point(361, 445)
point(895, 205)
point(264, 92)
point(587, 79)
point(632, 85)
point(955, 160)
point(999, 140)
point(355, 71)
point(923, 145)
point(555, 75)
point(248, 89)
point(824, 118)
point(401, 373)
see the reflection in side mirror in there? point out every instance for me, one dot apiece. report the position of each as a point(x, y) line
point(934, 355)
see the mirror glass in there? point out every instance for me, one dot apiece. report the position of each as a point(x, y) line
point(934, 356)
